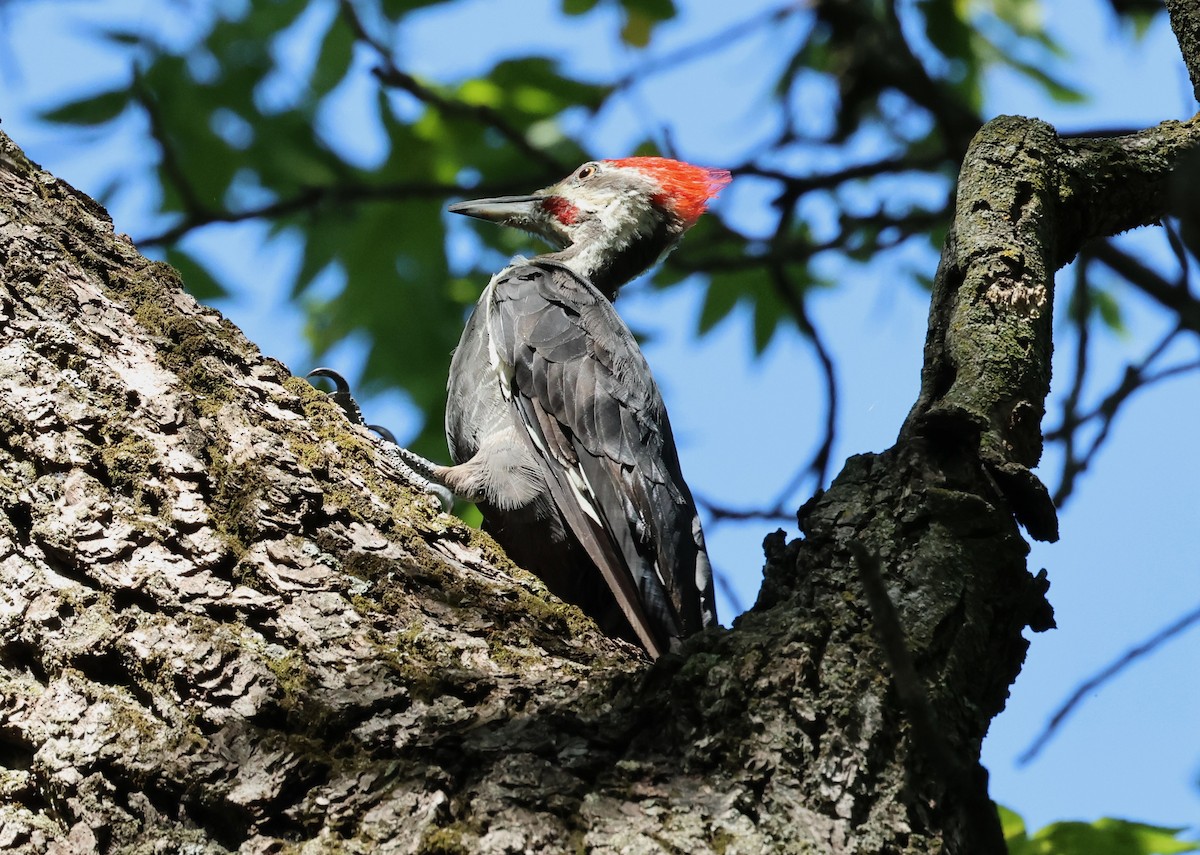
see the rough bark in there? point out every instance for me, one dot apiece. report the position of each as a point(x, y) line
point(224, 627)
point(1185, 23)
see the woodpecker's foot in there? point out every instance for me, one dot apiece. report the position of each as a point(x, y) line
point(421, 473)
point(411, 468)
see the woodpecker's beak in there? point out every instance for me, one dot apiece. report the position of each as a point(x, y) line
point(520, 212)
point(527, 213)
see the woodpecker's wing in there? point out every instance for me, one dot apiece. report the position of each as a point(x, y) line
point(579, 384)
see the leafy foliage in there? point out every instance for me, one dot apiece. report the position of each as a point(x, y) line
point(1105, 836)
point(94, 109)
point(246, 118)
point(243, 132)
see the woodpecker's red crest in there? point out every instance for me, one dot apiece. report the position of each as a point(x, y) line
point(686, 189)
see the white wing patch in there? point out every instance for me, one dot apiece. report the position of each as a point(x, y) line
point(584, 493)
point(504, 371)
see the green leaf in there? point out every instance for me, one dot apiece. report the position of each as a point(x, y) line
point(395, 295)
point(771, 315)
point(1139, 14)
point(656, 10)
point(469, 514)
point(767, 318)
point(578, 7)
point(641, 17)
point(1025, 17)
point(337, 51)
point(1014, 832)
point(938, 234)
point(637, 30)
point(1110, 837)
point(1149, 839)
point(537, 86)
point(720, 299)
point(1109, 310)
point(265, 20)
point(946, 31)
point(727, 290)
point(90, 111)
point(396, 8)
point(1011, 822)
point(1056, 89)
point(1105, 836)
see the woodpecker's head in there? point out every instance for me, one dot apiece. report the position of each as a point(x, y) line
point(610, 220)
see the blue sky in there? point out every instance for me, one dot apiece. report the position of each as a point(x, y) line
point(1126, 564)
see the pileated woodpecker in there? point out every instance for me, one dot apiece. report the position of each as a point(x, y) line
point(556, 427)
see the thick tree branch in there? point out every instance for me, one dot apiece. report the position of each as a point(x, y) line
point(987, 356)
point(257, 636)
point(1027, 200)
point(1185, 22)
point(220, 615)
point(1107, 186)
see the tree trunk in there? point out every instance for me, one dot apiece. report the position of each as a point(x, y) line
point(225, 626)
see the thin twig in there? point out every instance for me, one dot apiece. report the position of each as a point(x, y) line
point(1105, 674)
point(388, 73)
point(729, 591)
point(800, 184)
point(791, 251)
point(1170, 295)
point(704, 48)
point(1181, 254)
point(1135, 379)
point(1081, 310)
point(721, 513)
point(315, 197)
point(818, 466)
point(172, 169)
point(1174, 296)
point(1107, 408)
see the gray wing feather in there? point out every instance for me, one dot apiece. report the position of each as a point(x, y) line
point(585, 394)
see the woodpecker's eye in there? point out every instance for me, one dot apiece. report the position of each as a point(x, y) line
point(586, 172)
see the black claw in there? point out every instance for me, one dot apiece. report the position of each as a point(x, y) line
point(340, 394)
point(384, 432)
point(342, 387)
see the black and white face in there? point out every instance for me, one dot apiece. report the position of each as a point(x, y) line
point(600, 202)
point(609, 220)
point(597, 203)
